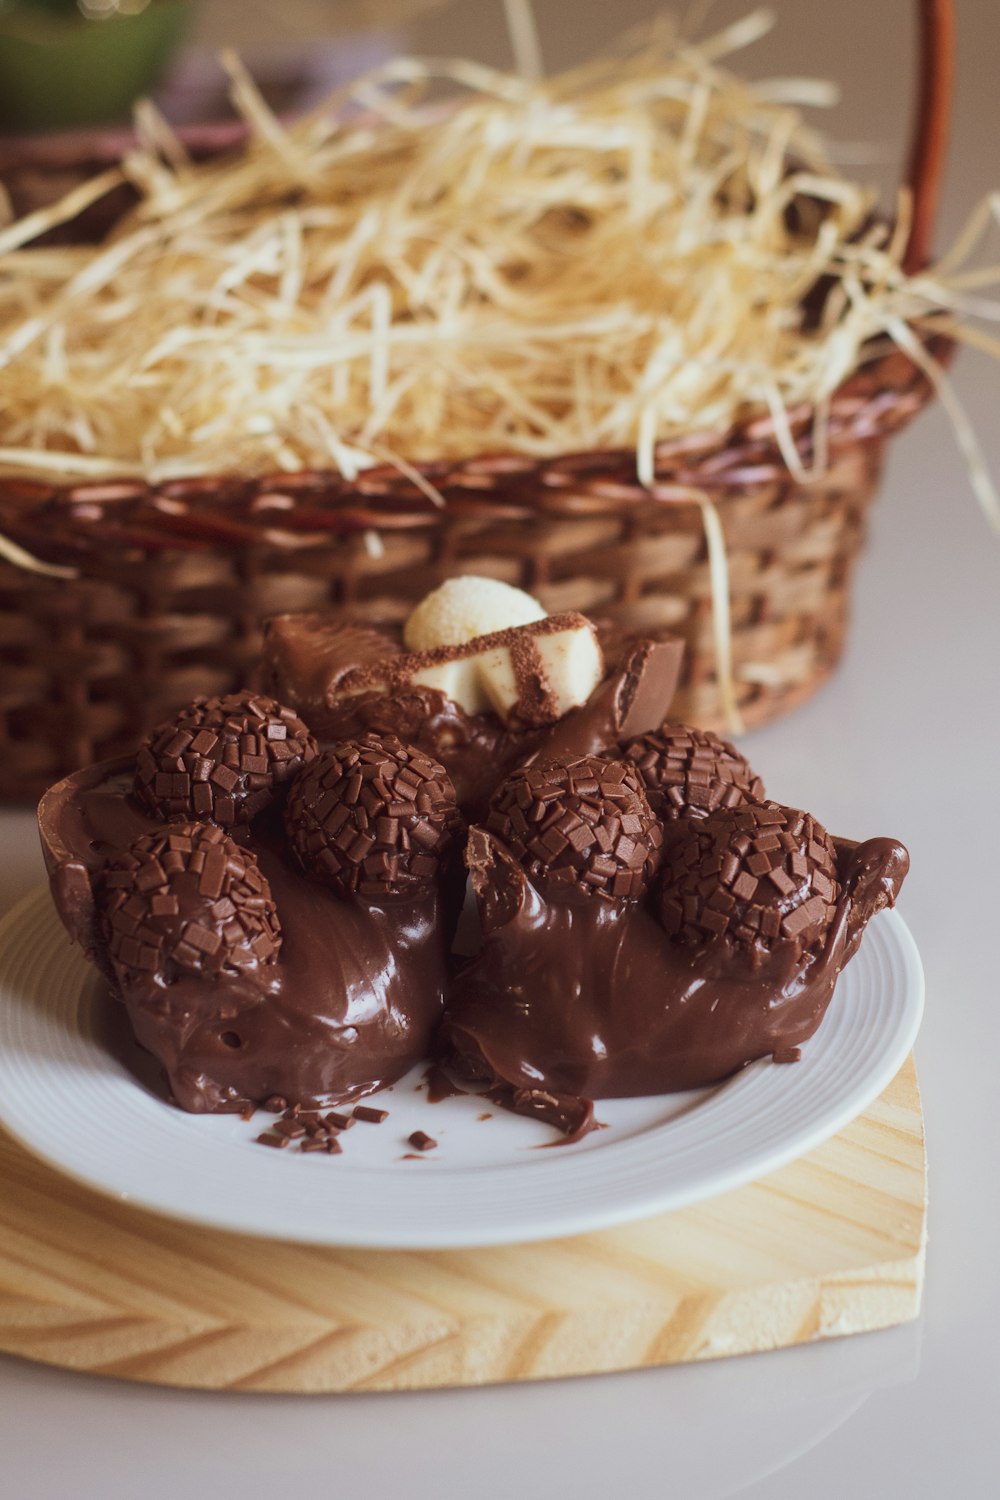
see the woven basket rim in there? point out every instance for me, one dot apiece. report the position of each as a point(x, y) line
point(292, 512)
point(714, 461)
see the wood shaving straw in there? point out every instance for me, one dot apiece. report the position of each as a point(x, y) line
point(611, 257)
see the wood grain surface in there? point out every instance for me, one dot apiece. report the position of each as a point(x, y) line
point(831, 1245)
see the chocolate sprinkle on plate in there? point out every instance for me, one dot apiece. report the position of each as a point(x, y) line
point(370, 1115)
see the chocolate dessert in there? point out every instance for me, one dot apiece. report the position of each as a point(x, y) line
point(479, 701)
point(279, 958)
point(689, 772)
point(594, 984)
point(277, 911)
point(221, 758)
point(586, 825)
point(374, 818)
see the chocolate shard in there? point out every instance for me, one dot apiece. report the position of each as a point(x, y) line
point(633, 699)
point(306, 656)
point(871, 873)
point(498, 882)
point(572, 1116)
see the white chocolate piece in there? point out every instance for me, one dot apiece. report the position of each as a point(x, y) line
point(462, 609)
point(531, 674)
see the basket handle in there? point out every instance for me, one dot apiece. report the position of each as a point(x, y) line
point(931, 128)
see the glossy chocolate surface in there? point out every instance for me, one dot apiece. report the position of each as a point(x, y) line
point(572, 996)
point(581, 997)
point(348, 1007)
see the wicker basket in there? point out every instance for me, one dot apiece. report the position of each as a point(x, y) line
point(174, 580)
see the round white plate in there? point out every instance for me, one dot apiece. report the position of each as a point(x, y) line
point(69, 1096)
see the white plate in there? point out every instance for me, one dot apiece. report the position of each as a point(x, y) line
point(69, 1098)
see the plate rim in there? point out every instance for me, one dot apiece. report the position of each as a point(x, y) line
point(901, 947)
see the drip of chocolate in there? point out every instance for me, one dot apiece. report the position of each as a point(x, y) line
point(585, 999)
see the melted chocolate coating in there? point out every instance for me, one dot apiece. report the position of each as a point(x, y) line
point(581, 999)
point(349, 1005)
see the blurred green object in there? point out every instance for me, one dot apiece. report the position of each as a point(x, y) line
point(82, 62)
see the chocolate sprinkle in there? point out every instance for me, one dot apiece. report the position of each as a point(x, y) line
point(312, 1131)
point(373, 817)
point(421, 1141)
point(370, 1115)
point(585, 824)
point(755, 877)
point(187, 900)
point(692, 772)
point(221, 759)
point(272, 1138)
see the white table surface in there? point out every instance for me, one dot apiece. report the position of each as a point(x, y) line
point(904, 741)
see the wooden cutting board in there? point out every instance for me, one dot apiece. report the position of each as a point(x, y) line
point(831, 1245)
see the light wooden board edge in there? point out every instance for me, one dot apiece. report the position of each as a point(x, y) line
point(831, 1245)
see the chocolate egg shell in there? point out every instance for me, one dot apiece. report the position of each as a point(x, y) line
point(754, 877)
point(691, 772)
point(221, 759)
point(373, 817)
point(187, 900)
point(585, 824)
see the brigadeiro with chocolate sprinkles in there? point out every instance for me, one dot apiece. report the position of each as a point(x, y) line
point(373, 817)
point(585, 824)
point(757, 877)
point(186, 900)
point(691, 772)
point(221, 759)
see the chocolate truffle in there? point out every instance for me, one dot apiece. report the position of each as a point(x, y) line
point(756, 877)
point(373, 817)
point(691, 772)
point(221, 759)
point(187, 900)
point(585, 824)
